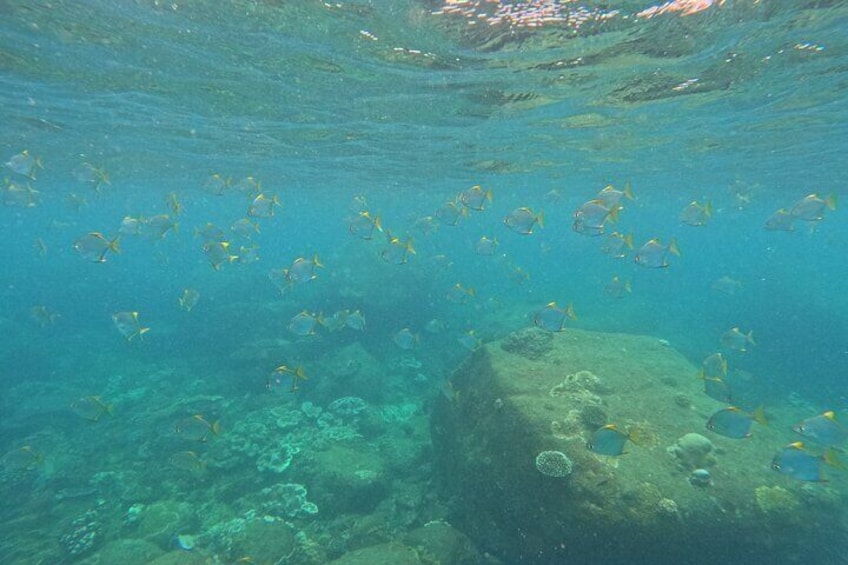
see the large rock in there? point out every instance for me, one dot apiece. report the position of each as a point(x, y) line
point(507, 406)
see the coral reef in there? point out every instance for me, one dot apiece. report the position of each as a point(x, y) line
point(84, 534)
point(777, 502)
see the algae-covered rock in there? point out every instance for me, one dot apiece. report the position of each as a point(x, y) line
point(158, 522)
point(532, 343)
point(265, 541)
point(347, 477)
point(777, 502)
point(125, 550)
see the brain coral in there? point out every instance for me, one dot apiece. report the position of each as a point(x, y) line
point(553, 464)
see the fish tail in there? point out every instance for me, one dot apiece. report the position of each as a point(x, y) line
point(215, 427)
point(831, 201)
point(628, 190)
point(829, 457)
point(540, 219)
point(750, 337)
point(672, 247)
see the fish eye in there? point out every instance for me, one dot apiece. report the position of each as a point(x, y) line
point(775, 466)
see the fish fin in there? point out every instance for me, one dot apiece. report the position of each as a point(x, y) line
point(628, 190)
point(831, 201)
point(540, 219)
point(829, 457)
point(750, 337)
point(672, 247)
point(759, 416)
point(215, 428)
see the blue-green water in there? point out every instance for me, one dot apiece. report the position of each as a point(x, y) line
point(390, 108)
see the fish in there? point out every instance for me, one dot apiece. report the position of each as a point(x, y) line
point(40, 247)
point(469, 340)
point(172, 201)
point(726, 285)
point(397, 252)
point(263, 206)
point(157, 227)
point(364, 225)
point(249, 186)
point(427, 225)
point(451, 212)
point(95, 246)
point(20, 196)
point(717, 388)
point(476, 197)
point(280, 279)
point(197, 428)
point(303, 270)
point(355, 321)
point(218, 253)
point(812, 207)
point(128, 325)
point(247, 255)
point(782, 220)
point(131, 225)
point(486, 246)
point(736, 340)
point(435, 326)
point(590, 217)
point(297, 374)
point(610, 440)
point(618, 288)
point(187, 460)
point(616, 245)
point(189, 299)
point(337, 321)
point(654, 255)
point(522, 220)
point(21, 459)
point(24, 164)
point(43, 315)
point(796, 462)
point(76, 201)
point(89, 174)
point(714, 366)
point(405, 339)
point(459, 294)
point(553, 318)
point(823, 429)
point(245, 228)
point(735, 423)
point(91, 408)
point(210, 232)
point(611, 197)
point(216, 184)
point(305, 323)
point(517, 275)
point(696, 214)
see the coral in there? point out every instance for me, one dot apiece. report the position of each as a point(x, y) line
point(394, 413)
point(554, 464)
point(532, 343)
point(347, 406)
point(667, 508)
point(776, 501)
point(287, 500)
point(278, 458)
point(693, 451)
point(700, 478)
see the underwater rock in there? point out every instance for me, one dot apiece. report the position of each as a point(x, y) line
point(693, 451)
point(124, 550)
point(440, 542)
point(593, 416)
point(158, 521)
point(635, 508)
point(700, 478)
point(348, 478)
point(392, 552)
point(532, 343)
point(266, 541)
point(287, 500)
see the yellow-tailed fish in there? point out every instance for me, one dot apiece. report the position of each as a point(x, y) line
point(187, 460)
point(797, 462)
point(476, 197)
point(43, 315)
point(364, 225)
point(174, 204)
point(618, 287)
point(522, 220)
point(20, 196)
point(21, 459)
point(451, 212)
point(591, 216)
point(654, 254)
point(95, 246)
point(782, 220)
point(305, 323)
point(735, 339)
point(486, 246)
point(249, 186)
point(304, 270)
point(696, 214)
point(397, 252)
point(405, 339)
point(157, 227)
point(218, 253)
point(616, 245)
point(216, 184)
point(610, 440)
point(459, 294)
point(263, 206)
point(735, 423)
point(611, 197)
point(91, 408)
point(812, 207)
point(245, 228)
point(189, 299)
point(24, 164)
point(197, 428)
point(553, 318)
point(94, 176)
point(128, 325)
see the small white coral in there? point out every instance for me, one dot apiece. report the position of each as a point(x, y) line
point(554, 464)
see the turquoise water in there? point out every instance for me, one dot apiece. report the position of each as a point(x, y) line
point(393, 108)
